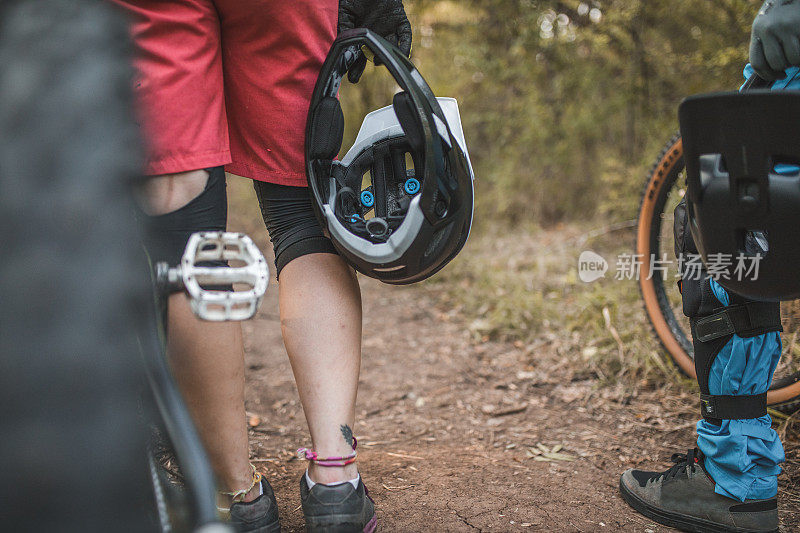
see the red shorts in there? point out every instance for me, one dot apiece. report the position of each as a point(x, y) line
point(228, 82)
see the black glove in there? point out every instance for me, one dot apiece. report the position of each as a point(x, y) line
point(775, 41)
point(387, 18)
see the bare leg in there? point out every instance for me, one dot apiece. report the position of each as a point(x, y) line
point(320, 305)
point(207, 359)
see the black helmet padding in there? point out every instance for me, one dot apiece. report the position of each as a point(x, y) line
point(409, 120)
point(327, 129)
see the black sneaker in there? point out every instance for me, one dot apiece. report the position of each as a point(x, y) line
point(338, 508)
point(259, 515)
point(683, 497)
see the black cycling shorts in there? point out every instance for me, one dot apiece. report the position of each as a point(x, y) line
point(168, 234)
point(288, 214)
point(293, 227)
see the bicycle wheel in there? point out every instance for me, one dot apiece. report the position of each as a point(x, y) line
point(663, 190)
point(74, 283)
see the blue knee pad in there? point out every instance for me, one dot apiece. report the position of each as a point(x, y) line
point(737, 346)
point(742, 455)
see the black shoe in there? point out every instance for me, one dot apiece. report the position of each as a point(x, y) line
point(338, 508)
point(683, 497)
point(259, 515)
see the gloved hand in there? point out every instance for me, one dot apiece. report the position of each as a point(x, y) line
point(775, 40)
point(387, 18)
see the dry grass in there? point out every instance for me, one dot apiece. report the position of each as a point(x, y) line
point(525, 286)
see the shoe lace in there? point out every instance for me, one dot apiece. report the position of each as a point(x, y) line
point(682, 460)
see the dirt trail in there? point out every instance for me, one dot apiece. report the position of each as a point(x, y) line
point(446, 421)
point(445, 424)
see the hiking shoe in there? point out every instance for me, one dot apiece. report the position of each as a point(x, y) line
point(259, 515)
point(338, 508)
point(683, 497)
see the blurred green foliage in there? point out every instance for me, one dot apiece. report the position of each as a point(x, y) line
point(566, 103)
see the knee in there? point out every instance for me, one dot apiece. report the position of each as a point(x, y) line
point(180, 205)
point(293, 227)
point(166, 193)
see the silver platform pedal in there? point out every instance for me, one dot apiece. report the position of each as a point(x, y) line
point(249, 268)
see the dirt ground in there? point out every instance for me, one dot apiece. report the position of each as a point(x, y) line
point(446, 424)
point(460, 434)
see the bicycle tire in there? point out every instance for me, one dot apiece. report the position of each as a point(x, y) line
point(74, 283)
point(784, 394)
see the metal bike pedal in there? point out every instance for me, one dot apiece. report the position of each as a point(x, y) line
point(249, 268)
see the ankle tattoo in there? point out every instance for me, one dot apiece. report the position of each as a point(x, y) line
point(347, 433)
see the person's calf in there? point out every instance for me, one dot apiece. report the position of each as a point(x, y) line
point(207, 359)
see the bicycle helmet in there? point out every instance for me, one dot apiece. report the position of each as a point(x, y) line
point(743, 194)
point(398, 206)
